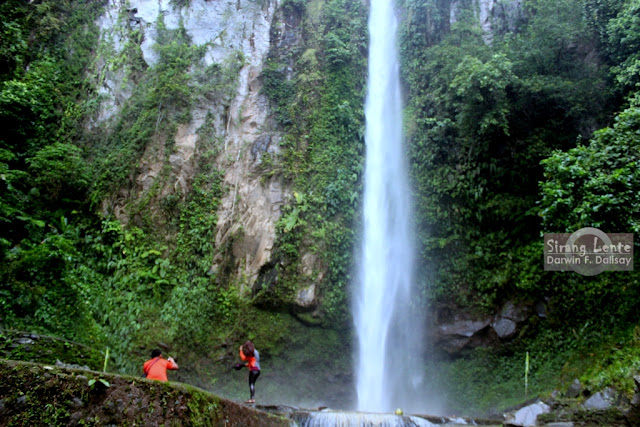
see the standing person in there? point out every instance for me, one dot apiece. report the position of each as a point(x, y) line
point(251, 359)
point(156, 367)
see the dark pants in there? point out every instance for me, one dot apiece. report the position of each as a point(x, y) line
point(253, 376)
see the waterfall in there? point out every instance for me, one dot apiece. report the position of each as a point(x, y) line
point(389, 339)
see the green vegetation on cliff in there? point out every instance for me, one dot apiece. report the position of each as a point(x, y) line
point(320, 109)
point(481, 117)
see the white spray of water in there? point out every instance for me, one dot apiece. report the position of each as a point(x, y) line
point(358, 419)
point(387, 366)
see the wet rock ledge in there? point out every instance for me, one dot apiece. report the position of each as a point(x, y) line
point(36, 394)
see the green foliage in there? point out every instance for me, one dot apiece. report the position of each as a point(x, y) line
point(293, 218)
point(92, 383)
point(199, 303)
point(44, 81)
point(60, 171)
point(13, 43)
point(41, 84)
point(30, 28)
point(279, 89)
point(40, 288)
point(133, 278)
point(623, 43)
point(596, 185)
point(481, 97)
point(29, 108)
point(480, 119)
point(13, 200)
point(614, 363)
point(30, 347)
point(198, 221)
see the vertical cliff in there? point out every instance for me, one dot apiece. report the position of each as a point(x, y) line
point(237, 94)
point(493, 16)
point(233, 40)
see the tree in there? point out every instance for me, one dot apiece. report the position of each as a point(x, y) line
point(598, 184)
point(623, 45)
point(60, 172)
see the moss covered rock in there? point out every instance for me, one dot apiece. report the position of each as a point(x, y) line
point(34, 394)
point(30, 347)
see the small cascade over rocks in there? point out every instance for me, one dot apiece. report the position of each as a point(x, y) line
point(357, 419)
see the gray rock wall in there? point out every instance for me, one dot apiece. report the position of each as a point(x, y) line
point(492, 15)
point(251, 205)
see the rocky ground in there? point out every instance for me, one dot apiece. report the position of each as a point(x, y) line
point(39, 394)
point(579, 406)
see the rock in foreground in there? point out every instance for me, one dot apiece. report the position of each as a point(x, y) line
point(33, 394)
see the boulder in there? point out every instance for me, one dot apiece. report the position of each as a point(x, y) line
point(260, 146)
point(455, 330)
point(575, 389)
point(504, 328)
point(306, 297)
point(461, 333)
point(517, 313)
point(71, 365)
point(505, 324)
point(541, 309)
point(600, 400)
point(633, 413)
point(528, 415)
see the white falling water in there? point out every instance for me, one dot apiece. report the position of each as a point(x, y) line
point(387, 366)
point(357, 419)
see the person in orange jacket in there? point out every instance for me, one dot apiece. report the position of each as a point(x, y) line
point(251, 358)
point(156, 367)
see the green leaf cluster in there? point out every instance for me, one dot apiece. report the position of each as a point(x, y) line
point(596, 184)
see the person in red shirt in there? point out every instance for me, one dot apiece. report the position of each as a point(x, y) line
point(251, 359)
point(156, 367)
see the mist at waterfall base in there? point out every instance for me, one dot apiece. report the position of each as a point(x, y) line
point(355, 419)
point(390, 344)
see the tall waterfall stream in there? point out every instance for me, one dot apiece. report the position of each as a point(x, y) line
point(389, 337)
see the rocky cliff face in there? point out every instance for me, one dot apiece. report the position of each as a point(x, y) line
point(492, 15)
point(240, 124)
point(453, 330)
point(236, 37)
